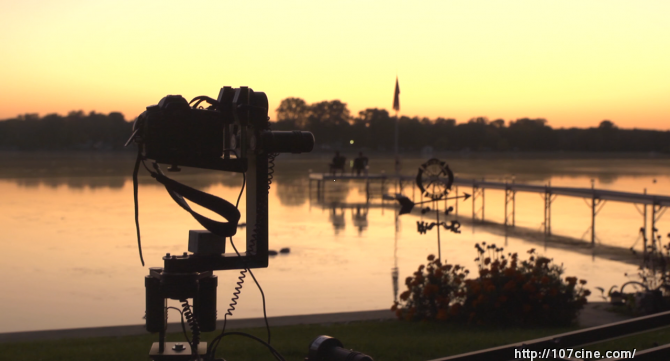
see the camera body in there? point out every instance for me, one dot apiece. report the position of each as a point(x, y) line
point(173, 132)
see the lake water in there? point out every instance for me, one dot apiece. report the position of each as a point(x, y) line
point(70, 250)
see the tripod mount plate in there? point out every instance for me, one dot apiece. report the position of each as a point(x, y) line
point(173, 351)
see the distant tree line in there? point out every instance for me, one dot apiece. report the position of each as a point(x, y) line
point(374, 129)
point(334, 128)
point(75, 131)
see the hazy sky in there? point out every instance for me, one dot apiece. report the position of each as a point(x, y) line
point(574, 63)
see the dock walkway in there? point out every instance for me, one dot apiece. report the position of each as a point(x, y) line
point(597, 198)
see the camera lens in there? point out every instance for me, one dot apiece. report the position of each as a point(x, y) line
point(287, 141)
point(326, 348)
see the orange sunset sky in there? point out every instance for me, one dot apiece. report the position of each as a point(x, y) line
point(573, 63)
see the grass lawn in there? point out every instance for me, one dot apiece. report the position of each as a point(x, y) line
point(383, 340)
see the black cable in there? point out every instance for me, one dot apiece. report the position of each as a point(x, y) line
point(183, 325)
point(244, 182)
point(202, 98)
point(135, 192)
point(274, 352)
point(211, 349)
point(271, 168)
point(265, 316)
point(215, 343)
point(195, 328)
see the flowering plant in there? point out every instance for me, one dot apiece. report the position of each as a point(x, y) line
point(507, 292)
point(436, 291)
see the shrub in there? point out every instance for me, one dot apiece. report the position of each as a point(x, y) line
point(435, 292)
point(507, 292)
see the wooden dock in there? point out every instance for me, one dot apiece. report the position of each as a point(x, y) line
point(597, 198)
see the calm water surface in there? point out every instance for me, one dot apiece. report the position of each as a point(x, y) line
point(71, 259)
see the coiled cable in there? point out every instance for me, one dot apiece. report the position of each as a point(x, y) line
point(195, 329)
point(260, 211)
point(271, 168)
point(236, 293)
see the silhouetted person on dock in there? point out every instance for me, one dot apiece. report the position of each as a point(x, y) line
point(360, 164)
point(338, 163)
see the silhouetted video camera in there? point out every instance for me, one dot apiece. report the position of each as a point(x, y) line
point(231, 134)
point(175, 133)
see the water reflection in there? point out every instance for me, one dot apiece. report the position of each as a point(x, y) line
point(394, 270)
point(74, 182)
point(292, 191)
point(84, 229)
point(98, 170)
point(360, 218)
point(337, 218)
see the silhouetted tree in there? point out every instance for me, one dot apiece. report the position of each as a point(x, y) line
point(606, 125)
point(531, 135)
point(294, 110)
point(380, 128)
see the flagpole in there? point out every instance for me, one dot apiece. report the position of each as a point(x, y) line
point(396, 134)
point(396, 107)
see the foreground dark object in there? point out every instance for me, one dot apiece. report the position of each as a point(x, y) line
point(326, 348)
point(232, 134)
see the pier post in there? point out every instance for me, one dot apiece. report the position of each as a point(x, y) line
point(381, 192)
point(593, 220)
point(483, 202)
point(506, 202)
point(547, 210)
point(594, 202)
point(644, 230)
point(653, 225)
point(474, 196)
point(323, 189)
point(456, 201)
point(510, 196)
point(513, 202)
point(657, 211)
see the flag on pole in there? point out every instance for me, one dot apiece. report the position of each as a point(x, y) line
point(396, 97)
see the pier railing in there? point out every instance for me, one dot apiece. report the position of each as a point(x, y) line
point(597, 198)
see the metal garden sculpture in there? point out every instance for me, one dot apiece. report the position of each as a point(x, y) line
point(434, 179)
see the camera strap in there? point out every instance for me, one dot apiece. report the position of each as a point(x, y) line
point(220, 206)
point(178, 192)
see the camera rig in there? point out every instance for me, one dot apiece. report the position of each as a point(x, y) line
point(232, 134)
point(176, 134)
